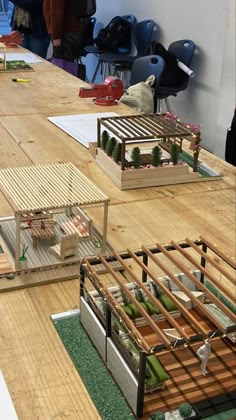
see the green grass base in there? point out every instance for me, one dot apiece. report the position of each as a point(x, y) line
point(227, 415)
point(187, 158)
point(105, 394)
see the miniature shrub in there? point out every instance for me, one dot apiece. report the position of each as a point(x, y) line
point(105, 138)
point(156, 156)
point(136, 158)
point(185, 410)
point(174, 153)
point(116, 154)
point(111, 144)
point(158, 416)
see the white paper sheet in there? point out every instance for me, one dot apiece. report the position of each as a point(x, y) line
point(27, 57)
point(7, 410)
point(83, 127)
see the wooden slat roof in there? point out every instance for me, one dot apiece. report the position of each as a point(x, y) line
point(172, 252)
point(145, 126)
point(48, 187)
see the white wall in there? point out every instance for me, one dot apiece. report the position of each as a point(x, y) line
point(210, 97)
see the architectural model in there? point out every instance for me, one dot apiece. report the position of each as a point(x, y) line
point(148, 322)
point(49, 227)
point(146, 150)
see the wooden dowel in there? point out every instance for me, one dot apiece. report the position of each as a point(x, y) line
point(146, 291)
point(211, 261)
point(133, 299)
point(219, 252)
point(105, 291)
point(203, 270)
point(184, 311)
point(201, 287)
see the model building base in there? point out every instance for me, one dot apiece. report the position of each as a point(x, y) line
point(16, 65)
point(149, 177)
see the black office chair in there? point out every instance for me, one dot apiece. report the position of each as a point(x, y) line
point(142, 41)
point(146, 66)
point(142, 68)
point(122, 50)
point(183, 50)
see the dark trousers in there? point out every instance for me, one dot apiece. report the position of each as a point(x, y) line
point(38, 45)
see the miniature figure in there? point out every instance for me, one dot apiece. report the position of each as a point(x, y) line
point(204, 353)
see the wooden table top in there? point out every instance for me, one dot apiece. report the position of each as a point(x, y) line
point(40, 375)
point(42, 228)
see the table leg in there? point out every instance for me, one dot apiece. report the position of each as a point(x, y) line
point(34, 242)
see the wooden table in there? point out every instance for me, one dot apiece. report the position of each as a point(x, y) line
point(40, 375)
point(42, 229)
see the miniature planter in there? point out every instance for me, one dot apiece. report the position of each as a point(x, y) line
point(23, 262)
point(144, 177)
point(176, 414)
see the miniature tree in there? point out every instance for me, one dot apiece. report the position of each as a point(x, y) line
point(185, 410)
point(136, 158)
point(110, 146)
point(156, 156)
point(105, 138)
point(174, 153)
point(117, 153)
point(158, 415)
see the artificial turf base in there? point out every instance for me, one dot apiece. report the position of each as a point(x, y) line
point(105, 394)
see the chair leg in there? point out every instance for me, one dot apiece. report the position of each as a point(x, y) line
point(167, 105)
point(96, 70)
point(158, 106)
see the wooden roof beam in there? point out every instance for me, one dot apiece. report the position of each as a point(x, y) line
point(222, 306)
point(211, 261)
point(134, 331)
point(150, 321)
point(184, 311)
point(219, 252)
point(154, 300)
point(203, 270)
point(201, 287)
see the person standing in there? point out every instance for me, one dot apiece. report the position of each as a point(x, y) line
point(66, 31)
point(28, 18)
point(230, 146)
point(204, 353)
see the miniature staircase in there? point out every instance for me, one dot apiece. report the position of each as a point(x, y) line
point(187, 383)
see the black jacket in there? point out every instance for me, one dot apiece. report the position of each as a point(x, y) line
point(230, 146)
point(35, 8)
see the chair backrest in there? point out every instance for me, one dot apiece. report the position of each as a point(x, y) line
point(146, 66)
point(143, 36)
point(69, 245)
point(97, 27)
point(126, 48)
point(183, 50)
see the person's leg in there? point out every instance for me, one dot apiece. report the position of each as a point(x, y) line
point(25, 41)
point(38, 45)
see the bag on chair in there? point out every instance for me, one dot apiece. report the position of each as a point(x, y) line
point(114, 35)
point(140, 96)
point(83, 8)
point(172, 74)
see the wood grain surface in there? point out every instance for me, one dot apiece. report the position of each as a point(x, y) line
point(40, 376)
